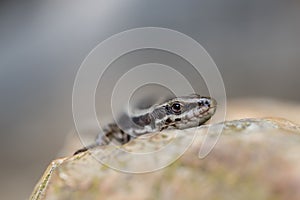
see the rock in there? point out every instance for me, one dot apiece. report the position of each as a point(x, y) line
point(253, 159)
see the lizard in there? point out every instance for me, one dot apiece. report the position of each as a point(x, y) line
point(177, 113)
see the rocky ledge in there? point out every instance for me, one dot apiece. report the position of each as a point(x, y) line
point(252, 159)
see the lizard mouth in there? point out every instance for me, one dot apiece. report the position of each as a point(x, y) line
point(211, 110)
point(212, 107)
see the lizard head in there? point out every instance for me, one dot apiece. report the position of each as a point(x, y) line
point(184, 112)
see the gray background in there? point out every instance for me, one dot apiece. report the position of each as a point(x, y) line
point(255, 44)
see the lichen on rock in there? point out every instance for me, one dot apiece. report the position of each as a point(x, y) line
point(252, 159)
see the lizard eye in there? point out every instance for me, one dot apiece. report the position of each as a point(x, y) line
point(176, 107)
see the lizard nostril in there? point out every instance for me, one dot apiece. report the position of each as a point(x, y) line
point(206, 102)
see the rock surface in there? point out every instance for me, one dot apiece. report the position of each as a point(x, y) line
point(253, 159)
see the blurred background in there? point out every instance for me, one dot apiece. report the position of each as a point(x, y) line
point(255, 44)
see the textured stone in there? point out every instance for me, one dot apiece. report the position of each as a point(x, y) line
point(253, 159)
